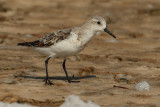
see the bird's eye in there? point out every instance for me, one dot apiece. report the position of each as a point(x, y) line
point(98, 22)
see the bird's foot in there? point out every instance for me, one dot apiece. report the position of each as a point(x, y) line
point(48, 82)
point(73, 76)
point(69, 80)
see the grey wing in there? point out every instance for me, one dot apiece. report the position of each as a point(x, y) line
point(49, 39)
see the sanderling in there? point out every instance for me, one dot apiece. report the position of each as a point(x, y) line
point(67, 42)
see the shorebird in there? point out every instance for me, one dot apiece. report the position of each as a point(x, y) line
point(67, 42)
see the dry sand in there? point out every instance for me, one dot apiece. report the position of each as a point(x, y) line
point(107, 70)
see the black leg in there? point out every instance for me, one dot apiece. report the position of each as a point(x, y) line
point(47, 81)
point(64, 68)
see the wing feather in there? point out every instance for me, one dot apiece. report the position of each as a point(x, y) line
point(49, 39)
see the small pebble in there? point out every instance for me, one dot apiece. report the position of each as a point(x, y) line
point(142, 86)
point(112, 41)
point(10, 80)
point(28, 35)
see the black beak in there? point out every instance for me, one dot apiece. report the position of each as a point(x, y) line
point(107, 31)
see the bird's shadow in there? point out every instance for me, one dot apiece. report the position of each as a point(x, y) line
point(62, 77)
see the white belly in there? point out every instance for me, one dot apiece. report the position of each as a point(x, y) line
point(66, 48)
point(63, 49)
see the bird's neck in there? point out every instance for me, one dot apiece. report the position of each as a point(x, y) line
point(87, 34)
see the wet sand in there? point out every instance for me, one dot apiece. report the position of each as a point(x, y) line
point(105, 72)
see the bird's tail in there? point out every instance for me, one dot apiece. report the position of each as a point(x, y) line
point(28, 44)
point(36, 43)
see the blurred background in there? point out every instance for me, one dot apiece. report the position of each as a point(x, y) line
point(133, 57)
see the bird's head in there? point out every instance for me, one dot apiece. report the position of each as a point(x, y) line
point(99, 24)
